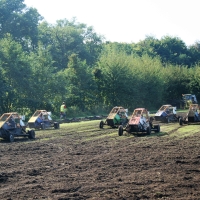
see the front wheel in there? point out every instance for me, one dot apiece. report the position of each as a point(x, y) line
point(101, 124)
point(56, 125)
point(31, 134)
point(168, 120)
point(157, 129)
point(120, 130)
point(180, 121)
point(42, 126)
point(148, 130)
point(11, 137)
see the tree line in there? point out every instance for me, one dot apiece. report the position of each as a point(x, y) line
point(42, 65)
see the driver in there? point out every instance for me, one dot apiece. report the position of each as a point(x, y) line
point(10, 123)
point(40, 119)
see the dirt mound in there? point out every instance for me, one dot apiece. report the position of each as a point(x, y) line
point(80, 161)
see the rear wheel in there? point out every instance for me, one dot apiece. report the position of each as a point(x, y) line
point(101, 124)
point(120, 130)
point(42, 126)
point(148, 130)
point(11, 137)
point(56, 125)
point(157, 129)
point(31, 134)
point(181, 121)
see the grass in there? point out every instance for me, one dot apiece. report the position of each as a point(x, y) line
point(90, 131)
point(186, 130)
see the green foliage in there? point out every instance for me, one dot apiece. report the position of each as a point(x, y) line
point(129, 81)
point(14, 71)
point(42, 65)
point(81, 87)
point(43, 81)
point(19, 21)
point(170, 50)
point(112, 76)
point(176, 80)
point(69, 37)
point(148, 80)
point(194, 80)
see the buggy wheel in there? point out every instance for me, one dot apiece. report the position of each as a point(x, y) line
point(157, 129)
point(148, 130)
point(101, 124)
point(42, 126)
point(31, 134)
point(167, 120)
point(11, 137)
point(56, 125)
point(120, 130)
point(180, 121)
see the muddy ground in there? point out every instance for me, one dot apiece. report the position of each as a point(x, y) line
point(80, 161)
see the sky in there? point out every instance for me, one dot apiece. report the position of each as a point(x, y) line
point(128, 21)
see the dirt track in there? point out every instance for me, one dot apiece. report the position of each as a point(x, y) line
point(79, 161)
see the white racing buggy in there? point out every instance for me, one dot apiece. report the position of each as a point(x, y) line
point(166, 114)
point(41, 119)
point(12, 125)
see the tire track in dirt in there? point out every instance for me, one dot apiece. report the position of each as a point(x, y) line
point(174, 130)
point(69, 166)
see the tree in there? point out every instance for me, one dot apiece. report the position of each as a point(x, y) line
point(43, 82)
point(112, 76)
point(176, 79)
point(14, 71)
point(194, 52)
point(81, 87)
point(170, 49)
point(149, 46)
point(69, 37)
point(19, 21)
point(173, 50)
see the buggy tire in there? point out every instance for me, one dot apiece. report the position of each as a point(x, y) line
point(148, 130)
point(101, 124)
point(56, 125)
point(11, 137)
point(157, 129)
point(120, 130)
point(180, 121)
point(168, 120)
point(31, 134)
point(42, 126)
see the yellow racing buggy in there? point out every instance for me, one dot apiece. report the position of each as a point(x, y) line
point(41, 119)
point(192, 116)
point(12, 125)
point(117, 116)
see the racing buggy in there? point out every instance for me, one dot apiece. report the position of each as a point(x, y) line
point(117, 116)
point(192, 115)
point(12, 125)
point(187, 100)
point(166, 114)
point(140, 121)
point(41, 119)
